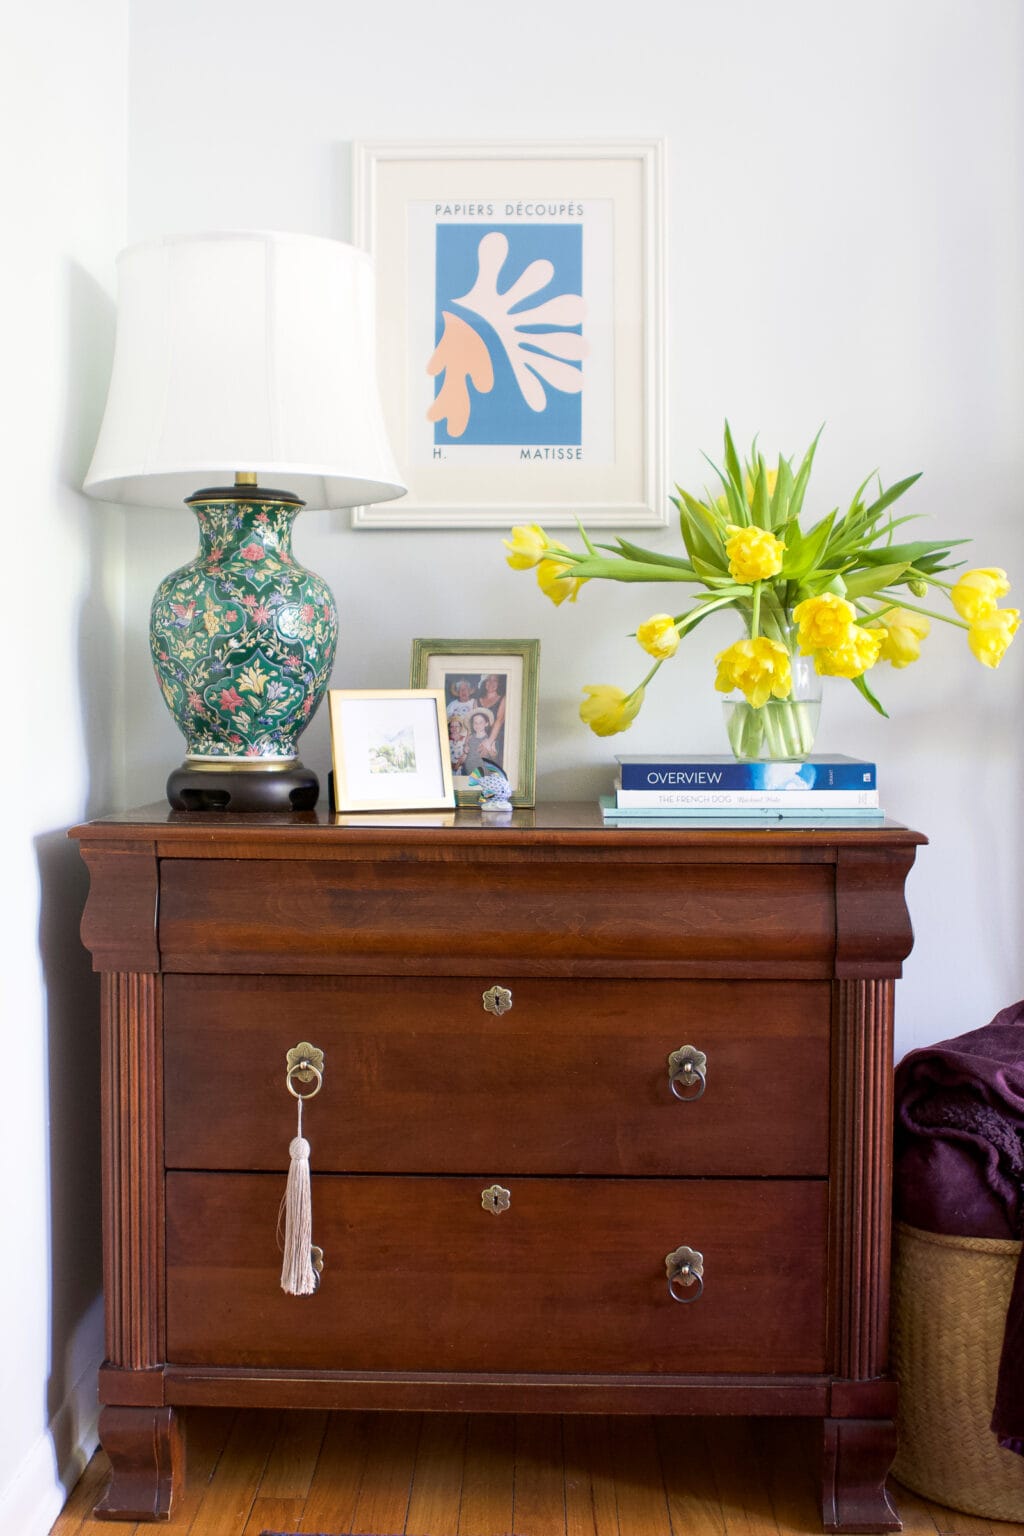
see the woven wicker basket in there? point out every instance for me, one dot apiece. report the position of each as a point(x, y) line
point(950, 1296)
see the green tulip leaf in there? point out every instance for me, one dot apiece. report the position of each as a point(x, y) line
point(803, 475)
point(861, 686)
point(699, 530)
point(761, 508)
point(864, 583)
point(699, 612)
point(916, 553)
point(650, 556)
point(780, 508)
point(732, 460)
point(892, 494)
point(804, 552)
point(711, 571)
point(592, 567)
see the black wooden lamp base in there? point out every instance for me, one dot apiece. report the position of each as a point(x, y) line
point(241, 787)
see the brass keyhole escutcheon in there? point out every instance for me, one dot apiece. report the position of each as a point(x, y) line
point(496, 1199)
point(497, 1000)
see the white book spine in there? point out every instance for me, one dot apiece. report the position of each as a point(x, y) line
point(734, 799)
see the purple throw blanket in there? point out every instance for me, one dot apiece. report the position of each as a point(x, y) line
point(959, 1164)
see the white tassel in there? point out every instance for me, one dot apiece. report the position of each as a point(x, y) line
point(298, 1277)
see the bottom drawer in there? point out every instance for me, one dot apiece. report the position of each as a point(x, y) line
point(419, 1276)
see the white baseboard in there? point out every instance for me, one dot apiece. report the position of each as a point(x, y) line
point(39, 1489)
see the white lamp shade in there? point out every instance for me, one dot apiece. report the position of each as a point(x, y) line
point(249, 352)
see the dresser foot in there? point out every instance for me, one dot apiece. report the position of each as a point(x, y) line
point(147, 1462)
point(858, 1455)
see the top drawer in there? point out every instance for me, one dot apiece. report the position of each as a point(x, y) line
point(558, 915)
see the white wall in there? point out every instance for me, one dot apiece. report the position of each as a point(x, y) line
point(63, 73)
point(846, 244)
point(845, 197)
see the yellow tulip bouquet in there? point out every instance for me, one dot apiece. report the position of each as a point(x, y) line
point(834, 600)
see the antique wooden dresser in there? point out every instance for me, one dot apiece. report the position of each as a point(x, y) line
point(604, 1123)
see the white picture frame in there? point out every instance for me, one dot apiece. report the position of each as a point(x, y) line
point(546, 409)
point(389, 749)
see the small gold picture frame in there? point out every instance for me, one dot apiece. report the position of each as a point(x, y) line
point(389, 749)
point(489, 689)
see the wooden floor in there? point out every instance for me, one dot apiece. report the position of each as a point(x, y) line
point(487, 1475)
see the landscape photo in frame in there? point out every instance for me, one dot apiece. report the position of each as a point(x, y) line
point(389, 749)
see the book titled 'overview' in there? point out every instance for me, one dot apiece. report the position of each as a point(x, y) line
point(824, 772)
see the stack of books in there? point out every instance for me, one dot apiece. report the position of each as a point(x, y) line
point(824, 788)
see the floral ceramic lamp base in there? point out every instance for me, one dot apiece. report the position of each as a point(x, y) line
point(243, 641)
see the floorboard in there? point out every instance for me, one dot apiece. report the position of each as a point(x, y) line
point(338, 1476)
point(437, 1484)
point(294, 1457)
point(488, 1476)
point(228, 1497)
point(639, 1486)
point(916, 1513)
point(694, 1502)
point(83, 1496)
point(591, 1508)
point(539, 1490)
point(786, 1456)
point(383, 1501)
point(746, 1501)
point(377, 1474)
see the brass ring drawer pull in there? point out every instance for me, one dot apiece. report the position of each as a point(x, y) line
point(496, 1199)
point(306, 1063)
point(497, 1000)
point(689, 1067)
point(685, 1267)
point(316, 1256)
point(303, 1261)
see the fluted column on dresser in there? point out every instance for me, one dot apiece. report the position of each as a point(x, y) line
point(862, 1177)
point(132, 1158)
point(873, 937)
point(139, 1433)
point(859, 1436)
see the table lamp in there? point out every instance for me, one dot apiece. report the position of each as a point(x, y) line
point(244, 362)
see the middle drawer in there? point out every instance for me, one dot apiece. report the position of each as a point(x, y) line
point(572, 1078)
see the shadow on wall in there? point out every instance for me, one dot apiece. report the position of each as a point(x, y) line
point(73, 1076)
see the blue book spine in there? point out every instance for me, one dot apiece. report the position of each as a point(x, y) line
point(821, 775)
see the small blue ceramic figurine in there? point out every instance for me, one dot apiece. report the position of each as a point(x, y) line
point(494, 787)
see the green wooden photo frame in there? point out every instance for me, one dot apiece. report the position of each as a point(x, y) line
point(490, 693)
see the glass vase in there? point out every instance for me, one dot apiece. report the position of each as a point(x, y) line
point(782, 729)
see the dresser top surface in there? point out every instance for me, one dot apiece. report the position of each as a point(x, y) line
point(569, 823)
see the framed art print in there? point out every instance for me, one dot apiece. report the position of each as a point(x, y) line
point(490, 700)
point(389, 749)
point(520, 330)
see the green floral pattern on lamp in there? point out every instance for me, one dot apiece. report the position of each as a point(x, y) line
point(243, 637)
